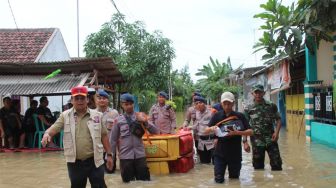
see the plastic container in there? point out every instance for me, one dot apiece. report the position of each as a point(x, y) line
point(161, 147)
point(182, 165)
point(185, 142)
point(157, 148)
point(158, 167)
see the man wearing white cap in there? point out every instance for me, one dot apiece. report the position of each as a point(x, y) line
point(229, 126)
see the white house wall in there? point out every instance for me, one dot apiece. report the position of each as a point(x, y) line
point(55, 50)
point(325, 62)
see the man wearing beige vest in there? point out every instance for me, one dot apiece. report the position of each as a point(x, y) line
point(85, 138)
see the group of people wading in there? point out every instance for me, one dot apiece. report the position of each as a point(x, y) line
point(93, 137)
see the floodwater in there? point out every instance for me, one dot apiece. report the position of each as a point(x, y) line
point(304, 165)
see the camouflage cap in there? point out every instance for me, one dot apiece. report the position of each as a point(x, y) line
point(258, 87)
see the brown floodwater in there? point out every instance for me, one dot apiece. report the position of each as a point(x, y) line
point(304, 165)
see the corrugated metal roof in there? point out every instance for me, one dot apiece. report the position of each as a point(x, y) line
point(37, 85)
point(104, 65)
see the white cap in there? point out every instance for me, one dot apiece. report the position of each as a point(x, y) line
point(227, 96)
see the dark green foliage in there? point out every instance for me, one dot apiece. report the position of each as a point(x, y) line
point(288, 28)
point(143, 58)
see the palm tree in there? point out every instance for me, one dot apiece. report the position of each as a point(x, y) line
point(214, 80)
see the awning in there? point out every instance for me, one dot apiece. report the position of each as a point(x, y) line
point(26, 85)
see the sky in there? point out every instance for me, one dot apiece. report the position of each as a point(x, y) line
point(198, 29)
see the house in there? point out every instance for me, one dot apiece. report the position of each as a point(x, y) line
point(239, 78)
point(283, 81)
point(32, 45)
point(28, 55)
point(319, 96)
point(309, 103)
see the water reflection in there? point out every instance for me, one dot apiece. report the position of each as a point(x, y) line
point(304, 165)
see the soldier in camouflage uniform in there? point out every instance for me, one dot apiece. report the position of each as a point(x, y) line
point(262, 115)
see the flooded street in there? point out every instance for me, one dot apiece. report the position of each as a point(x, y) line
point(304, 165)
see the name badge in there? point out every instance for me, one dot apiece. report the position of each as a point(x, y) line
point(96, 119)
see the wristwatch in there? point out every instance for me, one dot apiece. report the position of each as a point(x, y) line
point(109, 154)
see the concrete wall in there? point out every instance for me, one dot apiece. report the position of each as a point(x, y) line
point(325, 62)
point(55, 49)
point(323, 133)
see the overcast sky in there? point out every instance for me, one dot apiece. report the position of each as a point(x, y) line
point(198, 28)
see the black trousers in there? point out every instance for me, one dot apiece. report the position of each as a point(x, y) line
point(132, 169)
point(220, 167)
point(81, 170)
point(205, 155)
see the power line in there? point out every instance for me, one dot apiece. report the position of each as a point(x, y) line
point(129, 13)
point(77, 28)
point(10, 7)
point(115, 6)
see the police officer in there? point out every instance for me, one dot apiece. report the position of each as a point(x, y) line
point(127, 136)
point(229, 127)
point(205, 144)
point(191, 112)
point(109, 115)
point(162, 115)
point(262, 115)
point(85, 138)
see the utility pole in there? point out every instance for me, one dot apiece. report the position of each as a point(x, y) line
point(77, 28)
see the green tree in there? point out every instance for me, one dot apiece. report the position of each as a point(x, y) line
point(287, 28)
point(143, 58)
point(183, 87)
point(216, 79)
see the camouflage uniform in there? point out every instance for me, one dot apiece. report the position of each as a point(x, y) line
point(262, 117)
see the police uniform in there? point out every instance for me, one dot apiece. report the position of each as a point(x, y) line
point(191, 112)
point(109, 115)
point(205, 144)
point(132, 155)
point(262, 117)
point(190, 116)
point(163, 117)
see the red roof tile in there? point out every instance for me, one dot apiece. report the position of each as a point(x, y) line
point(22, 45)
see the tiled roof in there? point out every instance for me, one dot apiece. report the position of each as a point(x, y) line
point(37, 85)
point(22, 45)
